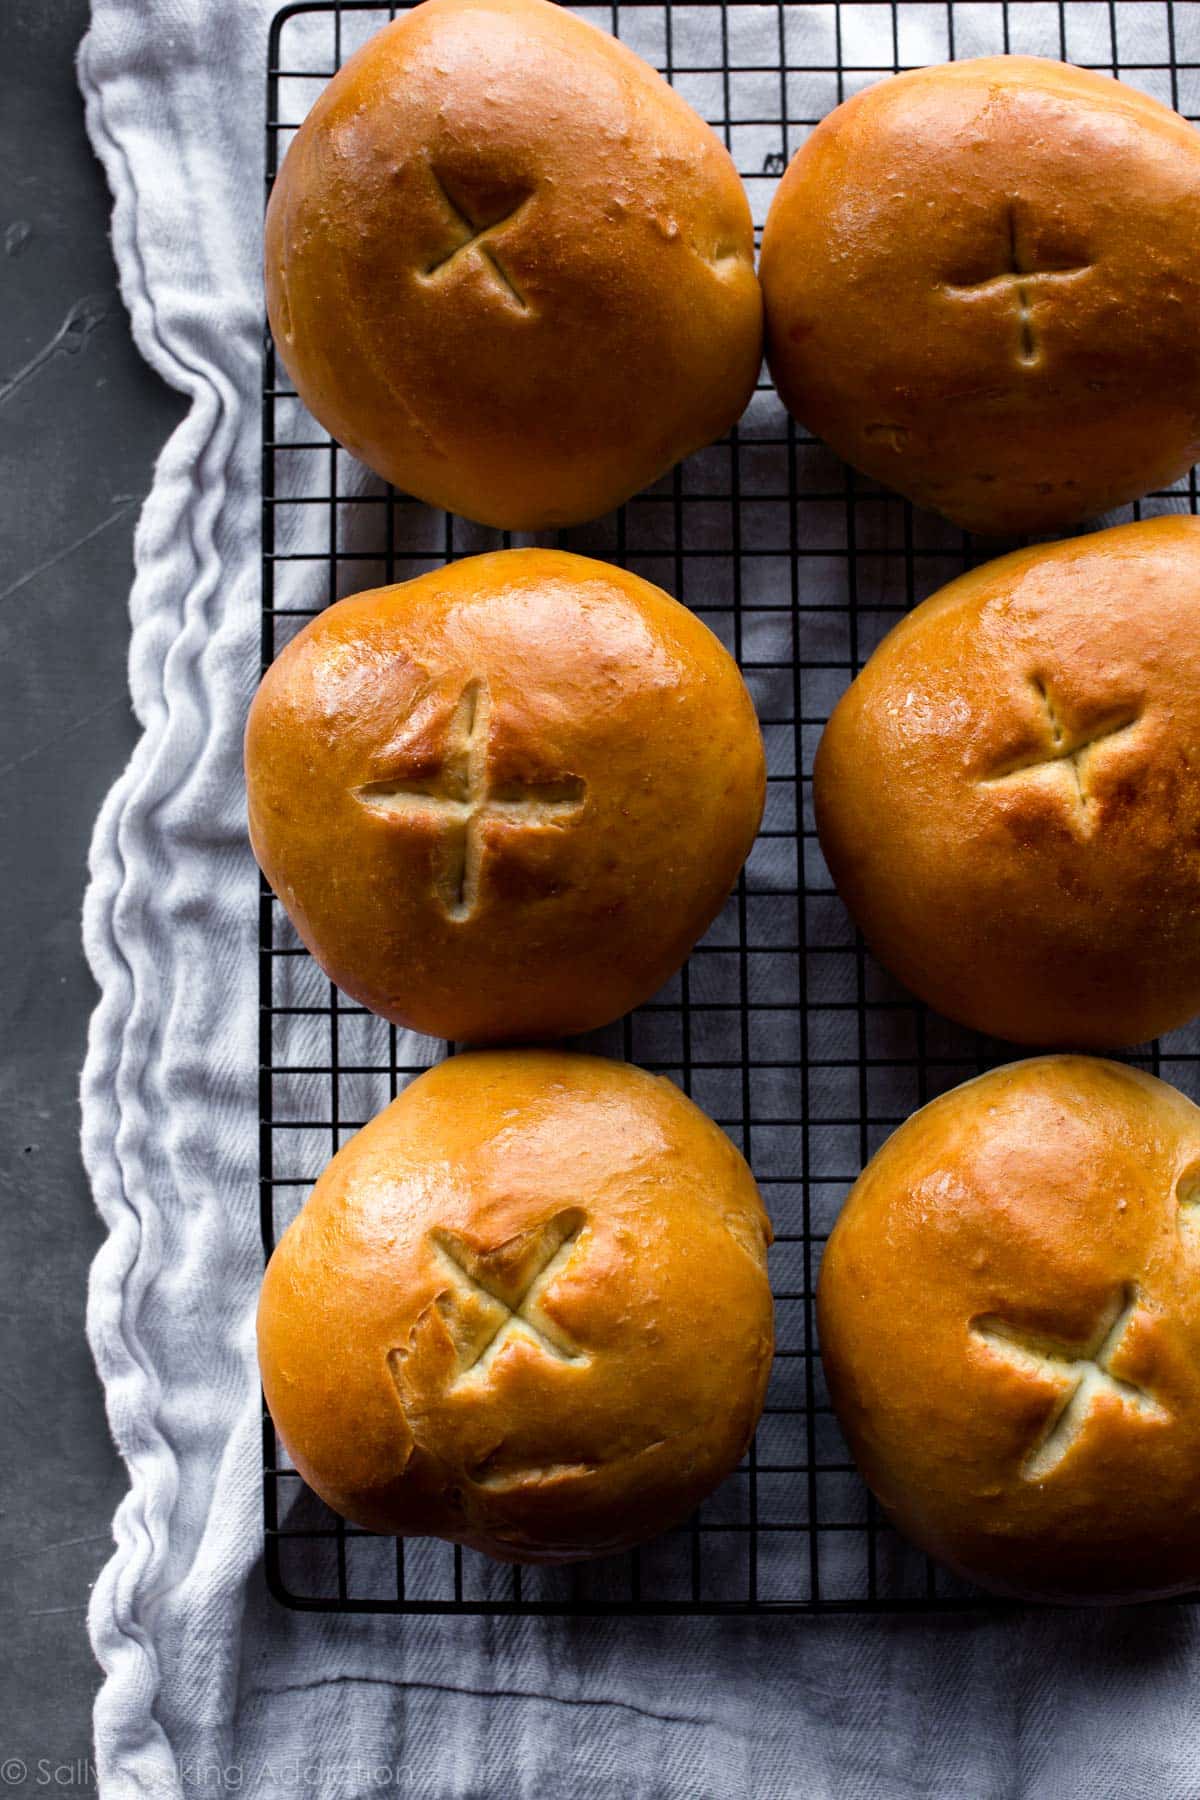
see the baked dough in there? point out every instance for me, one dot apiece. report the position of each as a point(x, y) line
point(502, 801)
point(1009, 1318)
point(509, 268)
point(982, 281)
point(1008, 795)
point(525, 1309)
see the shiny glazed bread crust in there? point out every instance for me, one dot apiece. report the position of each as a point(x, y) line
point(1009, 1316)
point(1008, 795)
point(509, 268)
point(525, 1309)
point(982, 281)
point(502, 801)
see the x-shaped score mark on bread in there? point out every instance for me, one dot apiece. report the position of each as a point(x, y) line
point(475, 228)
point(462, 799)
point(1019, 277)
point(1187, 1197)
point(1067, 757)
point(495, 1296)
point(1082, 1376)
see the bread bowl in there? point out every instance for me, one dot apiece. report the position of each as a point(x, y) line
point(981, 280)
point(525, 1309)
point(503, 800)
point(1009, 1319)
point(1008, 794)
point(509, 268)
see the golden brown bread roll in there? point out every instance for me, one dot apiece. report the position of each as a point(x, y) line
point(509, 268)
point(1008, 796)
point(1009, 1317)
point(504, 800)
point(525, 1309)
point(982, 282)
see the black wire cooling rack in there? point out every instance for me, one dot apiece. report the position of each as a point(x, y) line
point(781, 1026)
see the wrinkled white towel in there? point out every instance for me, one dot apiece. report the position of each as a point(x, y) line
point(209, 1687)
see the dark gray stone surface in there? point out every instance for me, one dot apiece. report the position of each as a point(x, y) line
point(81, 419)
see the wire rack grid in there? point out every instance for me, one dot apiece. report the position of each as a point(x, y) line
point(780, 1026)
